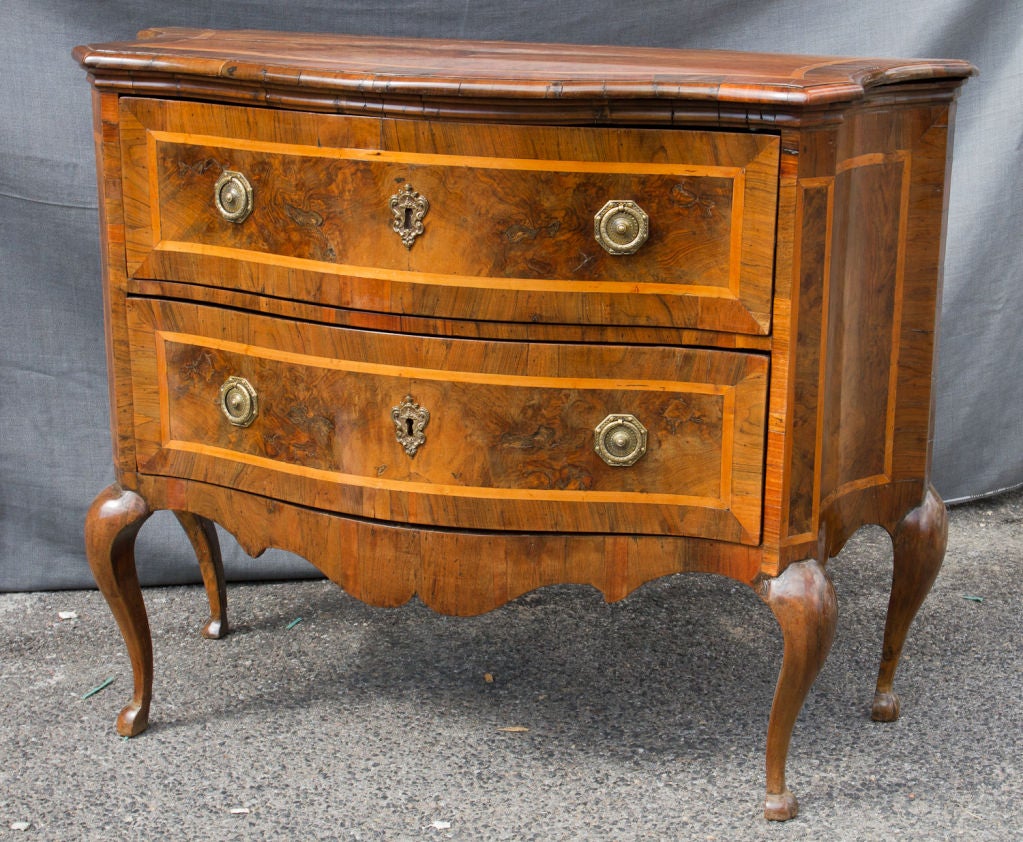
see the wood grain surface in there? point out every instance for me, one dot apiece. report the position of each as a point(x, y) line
point(509, 444)
point(285, 65)
point(509, 234)
point(455, 572)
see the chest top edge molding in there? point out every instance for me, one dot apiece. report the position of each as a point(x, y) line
point(339, 72)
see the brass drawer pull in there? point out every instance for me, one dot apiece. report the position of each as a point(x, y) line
point(408, 208)
point(238, 401)
point(233, 196)
point(621, 226)
point(620, 440)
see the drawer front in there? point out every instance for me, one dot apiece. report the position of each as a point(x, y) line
point(510, 438)
point(509, 232)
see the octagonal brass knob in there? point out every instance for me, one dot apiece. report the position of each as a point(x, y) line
point(233, 196)
point(238, 401)
point(620, 440)
point(621, 226)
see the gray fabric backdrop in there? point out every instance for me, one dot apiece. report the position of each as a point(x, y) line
point(54, 444)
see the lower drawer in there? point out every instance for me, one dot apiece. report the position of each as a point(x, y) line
point(452, 432)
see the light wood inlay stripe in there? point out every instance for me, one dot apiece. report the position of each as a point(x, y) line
point(854, 485)
point(439, 160)
point(822, 370)
point(727, 443)
point(161, 375)
point(384, 484)
point(736, 231)
point(871, 159)
point(445, 375)
point(896, 338)
point(153, 171)
point(471, 281)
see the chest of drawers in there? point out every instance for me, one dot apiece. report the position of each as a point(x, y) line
point(460, 320)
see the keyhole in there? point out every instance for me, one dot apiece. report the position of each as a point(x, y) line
point(408, 425)
point(408, 227)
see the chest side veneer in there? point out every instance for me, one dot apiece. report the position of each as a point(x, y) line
point(504, 397)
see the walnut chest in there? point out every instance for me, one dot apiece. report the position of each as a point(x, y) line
point(459, 320)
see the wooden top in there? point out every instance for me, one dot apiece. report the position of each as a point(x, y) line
point(364, 66)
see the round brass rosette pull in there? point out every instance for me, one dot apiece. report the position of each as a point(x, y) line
point(238, 401)
point(621, 226)
point(620, 440)
point(233, 196)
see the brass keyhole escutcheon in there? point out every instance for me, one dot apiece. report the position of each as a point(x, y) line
point(238, 401)
point(232, 195)
point(408, 209)
point(620, 439)
point(621, 226)
point(410, 420)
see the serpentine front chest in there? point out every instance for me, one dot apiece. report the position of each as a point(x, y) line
point(465, 319)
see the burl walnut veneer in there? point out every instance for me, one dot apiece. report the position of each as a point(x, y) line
point(459, 320)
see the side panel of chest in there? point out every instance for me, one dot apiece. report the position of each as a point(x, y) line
point(509, 233)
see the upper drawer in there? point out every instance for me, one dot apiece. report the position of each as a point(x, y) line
point(509, 232)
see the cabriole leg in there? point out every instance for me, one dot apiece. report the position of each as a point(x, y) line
point(111, 525)
point(803, 601)
point(919, 547)
point(203, 536)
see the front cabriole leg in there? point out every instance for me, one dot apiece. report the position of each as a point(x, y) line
point(111, 525)
point(803, 601)
point(919, 548)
